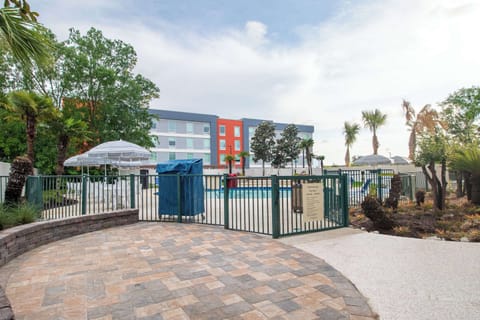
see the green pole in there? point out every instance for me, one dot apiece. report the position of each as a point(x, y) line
point(226, 216)
point(132, 191)
point(275, 208)
point(344, 190)
point(84, 195)
point(379, 185)
point(179, 197)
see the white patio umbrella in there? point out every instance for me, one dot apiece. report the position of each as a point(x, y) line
point(119, 150)
point(372, 160)
point(82, 160)
point(400, 160)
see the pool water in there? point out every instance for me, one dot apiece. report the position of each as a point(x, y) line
point(249, 192)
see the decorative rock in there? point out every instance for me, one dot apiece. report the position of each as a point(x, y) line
point(464, 239)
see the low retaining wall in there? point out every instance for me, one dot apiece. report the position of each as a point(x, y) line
point(18, 240)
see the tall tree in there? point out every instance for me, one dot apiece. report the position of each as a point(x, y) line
point(263, 143)
point(289, 143)
point(433, 149)
point(350, 130)
point(426, 120)
point(31, 108)
point(468, 159)
point(373, 120)
point(307, 145)
point(229, 160)
point(461, 112)
point(20, 33)
point(243, 156)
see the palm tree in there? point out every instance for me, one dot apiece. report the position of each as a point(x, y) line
point(307, 145)
point(22, 35)
point(229, 159)
point(243, 155)
point(66, 127)
point(468, 159)
point(425, 121)
point(31, 108)
point(350, 130)
point(373, 120)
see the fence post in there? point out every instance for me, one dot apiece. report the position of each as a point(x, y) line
point(379, 185)
point(344, 190)
point(226, 214)
point(412, 187)
point(275, 208)
point(179, 197)
point(84, 195)
point(34, 191)
point(132, 191)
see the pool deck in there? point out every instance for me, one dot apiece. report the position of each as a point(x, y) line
point(177, 271)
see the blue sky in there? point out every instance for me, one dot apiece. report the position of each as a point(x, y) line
point(311, 62)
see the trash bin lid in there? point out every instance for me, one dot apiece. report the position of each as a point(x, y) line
point(190, 166)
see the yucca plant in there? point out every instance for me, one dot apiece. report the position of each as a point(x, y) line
point(468, 159)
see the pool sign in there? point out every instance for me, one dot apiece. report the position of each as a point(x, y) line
point(312, 201)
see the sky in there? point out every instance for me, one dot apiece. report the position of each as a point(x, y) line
point(318, 63)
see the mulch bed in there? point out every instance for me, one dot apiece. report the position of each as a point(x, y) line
point(460, 221)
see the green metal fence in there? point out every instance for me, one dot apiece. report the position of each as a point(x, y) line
point(268, 205)
point(364, 182)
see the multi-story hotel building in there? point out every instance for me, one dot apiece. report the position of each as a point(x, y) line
point(184, 135)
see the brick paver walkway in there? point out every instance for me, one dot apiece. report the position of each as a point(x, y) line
point(177, 271)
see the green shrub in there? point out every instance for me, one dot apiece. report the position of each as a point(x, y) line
point(5, 218)
point(373, 209)
point(24, 213)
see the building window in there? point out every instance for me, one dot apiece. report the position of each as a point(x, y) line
point(206, 128)
point(189, 127)
point(223, 145)
point(206, 144)
point(153, 156)
point(222, 158)
point(206, 158)
point(171, 156)
point(154, 124)
point(172, 126)
point(251, 132)
point(237, 145)
point(237, 158)
point(171, 142)
point(222, 130)
point(189, 143)
point(189, 155)
point(236, 131)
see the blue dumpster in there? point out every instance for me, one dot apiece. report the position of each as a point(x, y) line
point(187, 173)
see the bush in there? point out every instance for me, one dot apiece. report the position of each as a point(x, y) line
point(5, 218)
point(21, 214)
point(373, 209)
point(25, 213)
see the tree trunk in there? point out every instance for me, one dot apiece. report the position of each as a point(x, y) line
point(309, 161)
point(431, 178)
point(62, 146)
point(475, 183)
point(303, 158)
point(443, 193)
point(30, 137)
point(21, 168)
point(230, 166)
point(347, 157)
point(459, 178)
point(412, 142)
point(243, 166)
point(263, 168)
point(375, 143)
point(468, 185)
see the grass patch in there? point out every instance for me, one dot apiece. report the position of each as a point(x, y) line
point(17, 215)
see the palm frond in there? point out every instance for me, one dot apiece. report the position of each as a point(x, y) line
point(23, 37)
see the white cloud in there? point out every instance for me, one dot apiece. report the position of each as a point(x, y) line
point(370, 55)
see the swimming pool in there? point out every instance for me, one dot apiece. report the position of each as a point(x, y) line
point(249, 192)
